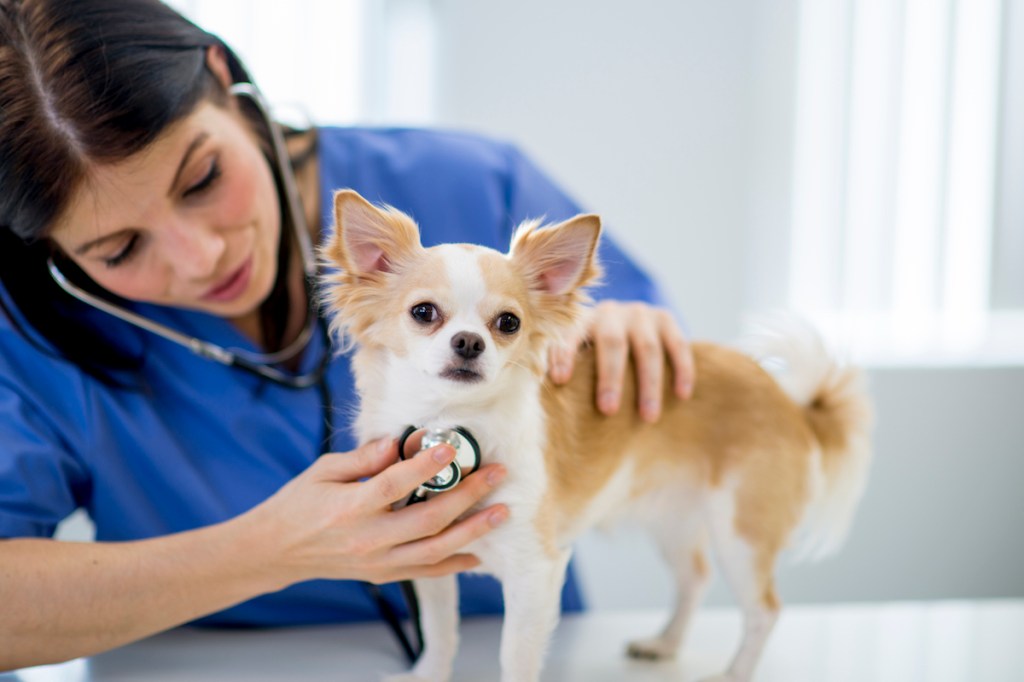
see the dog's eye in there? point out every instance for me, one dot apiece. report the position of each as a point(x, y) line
point(508, 323)
point(424, 313)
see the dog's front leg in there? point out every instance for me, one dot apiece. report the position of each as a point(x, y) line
point(532, 603)
point(439, 617)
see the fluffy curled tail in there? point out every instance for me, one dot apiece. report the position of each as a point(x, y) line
point(838, 410)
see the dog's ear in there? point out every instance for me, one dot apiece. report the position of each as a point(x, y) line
point(368, 239)
point(561, 258)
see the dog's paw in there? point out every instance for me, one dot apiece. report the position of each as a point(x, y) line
point(653, 649)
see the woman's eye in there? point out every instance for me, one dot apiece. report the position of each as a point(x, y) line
point(424, 313)
point(207, 180)
point(508, 323)
point(124, 254)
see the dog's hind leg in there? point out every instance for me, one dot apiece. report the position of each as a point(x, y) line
point(749, 571)
point(681, 538)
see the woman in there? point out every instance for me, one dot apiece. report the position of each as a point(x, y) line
point(139, 185)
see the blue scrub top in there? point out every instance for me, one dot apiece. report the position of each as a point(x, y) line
point(204, 442)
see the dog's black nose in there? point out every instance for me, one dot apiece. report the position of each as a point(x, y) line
point(468, 345)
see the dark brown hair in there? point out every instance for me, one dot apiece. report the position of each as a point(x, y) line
point(84, 81)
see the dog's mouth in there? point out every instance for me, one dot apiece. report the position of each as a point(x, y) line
point(462, 374)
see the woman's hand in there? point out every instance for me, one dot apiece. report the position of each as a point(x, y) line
point(618, 329)
point(328, 523)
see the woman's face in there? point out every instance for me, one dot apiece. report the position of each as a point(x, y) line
point(192, 221)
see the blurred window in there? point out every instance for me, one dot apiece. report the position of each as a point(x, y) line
point(908, 205)
point(331, 61)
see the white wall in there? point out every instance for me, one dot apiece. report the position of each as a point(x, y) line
point(673, 120)
point(645, 111)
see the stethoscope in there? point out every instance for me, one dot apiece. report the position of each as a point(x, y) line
point(467, 458)
point(261, 364)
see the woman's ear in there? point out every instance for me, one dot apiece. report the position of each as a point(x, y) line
point(217, 63)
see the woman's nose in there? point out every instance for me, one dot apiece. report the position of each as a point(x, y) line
point(193, 250)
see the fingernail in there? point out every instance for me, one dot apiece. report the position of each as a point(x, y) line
point(650, 409)
point(608, 401)
point(443, 454)
point(497, 517)
point(386, 444)
point(496, 475)
point(687, 390)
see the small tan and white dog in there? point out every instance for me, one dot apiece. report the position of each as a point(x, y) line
point(458, 335)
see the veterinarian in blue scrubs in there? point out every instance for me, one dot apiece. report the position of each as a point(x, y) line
point(134, 175)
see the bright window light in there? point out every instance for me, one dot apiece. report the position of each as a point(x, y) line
point(971, 170)
point(331, 61)
point(820, 149)
point(895, 176)
point(869, 175)
point(919, 179)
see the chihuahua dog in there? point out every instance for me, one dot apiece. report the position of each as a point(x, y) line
point(459, 334)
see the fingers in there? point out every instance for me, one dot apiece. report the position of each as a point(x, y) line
point(648, 334)
point(399, 480)
point(426, 519)
point(561, 361)
point(612, 350)
point(434, 548)
point(649, 357)
point(680, 355)
point(457, 563)
point(425, 538)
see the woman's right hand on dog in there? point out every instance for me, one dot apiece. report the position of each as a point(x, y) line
point(335, 520)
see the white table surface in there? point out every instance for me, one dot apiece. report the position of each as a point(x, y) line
point(961, 641)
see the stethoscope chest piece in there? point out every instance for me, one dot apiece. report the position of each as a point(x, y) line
point(467, 456)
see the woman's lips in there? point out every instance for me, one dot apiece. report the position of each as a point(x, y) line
point(232, 286)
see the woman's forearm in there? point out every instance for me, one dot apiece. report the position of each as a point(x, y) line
point(62, 600)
